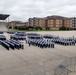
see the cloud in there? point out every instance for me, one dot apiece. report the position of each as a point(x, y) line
point(24, 9)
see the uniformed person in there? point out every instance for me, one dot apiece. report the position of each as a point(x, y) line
point(22, 45)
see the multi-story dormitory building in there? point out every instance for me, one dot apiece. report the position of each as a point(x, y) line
point(73, 23)
point(53, 22)
point(17, 23)
point(42, 22)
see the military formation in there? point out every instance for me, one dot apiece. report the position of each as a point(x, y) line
point(40, 43)
point(61, 41)
point(34, 39)
point(65, 42)
point(2, 37)
point(38, 40)
point(47, 36)
point(11, 32)
point(20, 33)
point(18, 37)
point(12, 44)
point(34, 36)
point(1, 32)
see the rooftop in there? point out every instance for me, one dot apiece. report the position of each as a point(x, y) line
point(3, 16)
point(57, 17)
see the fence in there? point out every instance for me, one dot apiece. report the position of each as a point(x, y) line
point(60, 67)
point(66, 66)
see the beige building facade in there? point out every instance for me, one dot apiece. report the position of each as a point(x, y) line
point(55, 22)
point(52, 22)
point(41, 22)
point(16, 23)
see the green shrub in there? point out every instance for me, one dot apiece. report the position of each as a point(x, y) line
point(38, 28)
point(16, 27)
point(10, 27)
point(47, 28)
point(62, 28)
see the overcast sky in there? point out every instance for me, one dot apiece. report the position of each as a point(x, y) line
point(23, 9)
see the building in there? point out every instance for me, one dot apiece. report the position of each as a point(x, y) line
point(52, 22)
point(55, 22)
point(68, 23)
point(31, 21)
point(16, 23)
point(41, 22)
point(73, 23)
point(26, 24)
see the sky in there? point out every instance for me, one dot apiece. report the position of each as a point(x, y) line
point(21, 10)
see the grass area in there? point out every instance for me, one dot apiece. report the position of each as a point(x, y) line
point(33, 30)
point(38, 30)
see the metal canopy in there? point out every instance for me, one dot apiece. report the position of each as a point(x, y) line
point(3, 16)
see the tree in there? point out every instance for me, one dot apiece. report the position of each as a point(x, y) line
point(62, 28)
point(47, 28)
point(9, 27)
point(16, 27)
point(38, 28)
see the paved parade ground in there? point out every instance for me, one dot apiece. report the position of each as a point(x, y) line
point(33, 60)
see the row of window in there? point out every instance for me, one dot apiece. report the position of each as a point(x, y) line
point(74, 26)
